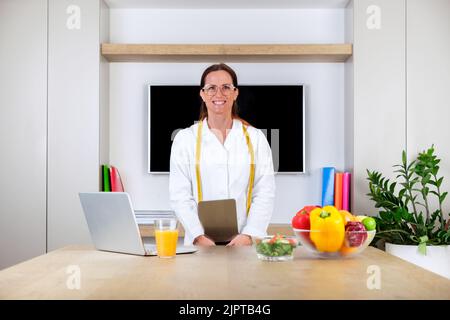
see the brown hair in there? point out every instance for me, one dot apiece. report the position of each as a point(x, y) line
point(226, 68)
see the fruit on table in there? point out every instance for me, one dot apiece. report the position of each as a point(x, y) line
point(360, 218)
point(301, 219)
point(308, 209)
point(327, 229)
point(345, 251)
point(369, 223)
point(355, 239)
point(347, 216)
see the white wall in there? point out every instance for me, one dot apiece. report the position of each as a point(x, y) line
point(23, 126)
point(227, 26)
point(324, 89)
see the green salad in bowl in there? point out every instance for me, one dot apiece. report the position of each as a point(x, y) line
point(276, 248)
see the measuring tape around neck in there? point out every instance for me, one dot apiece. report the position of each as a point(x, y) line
point(251, 178)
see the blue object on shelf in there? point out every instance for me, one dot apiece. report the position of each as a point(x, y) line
point(328, 186)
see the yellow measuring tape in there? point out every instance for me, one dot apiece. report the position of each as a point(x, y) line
point(251, 179)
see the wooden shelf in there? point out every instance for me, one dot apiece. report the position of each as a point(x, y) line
point(226, 52)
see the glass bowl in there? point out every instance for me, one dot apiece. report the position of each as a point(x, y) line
point(272, 249)
point(322, 244)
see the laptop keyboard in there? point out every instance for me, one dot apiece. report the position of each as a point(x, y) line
point(150, 248)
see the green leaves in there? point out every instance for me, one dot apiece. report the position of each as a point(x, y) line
point(442, 197)
point(423, 245)
point(439, 182)
point(387, 216)
point(382, 192)
point(398, 215)
point(399, 219)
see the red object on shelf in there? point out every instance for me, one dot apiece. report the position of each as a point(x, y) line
point(116, 181)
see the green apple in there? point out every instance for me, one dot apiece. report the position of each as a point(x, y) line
point(369, 223)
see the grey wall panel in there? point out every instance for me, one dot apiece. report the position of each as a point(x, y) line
point(23, 126)
point(73, 159)
point(379, 88)
point(428, 82)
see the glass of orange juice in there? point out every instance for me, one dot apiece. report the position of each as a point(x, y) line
point(166, 236)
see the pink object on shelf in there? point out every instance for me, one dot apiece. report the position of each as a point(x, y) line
point(346, 191)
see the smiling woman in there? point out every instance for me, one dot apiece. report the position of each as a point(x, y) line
point(219, 104)
point(222, 157)
point(223, 101)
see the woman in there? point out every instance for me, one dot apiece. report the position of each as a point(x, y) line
point(221, 157)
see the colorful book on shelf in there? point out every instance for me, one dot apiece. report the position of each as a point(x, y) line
point(346, 180)
point(328, 186)
point(106, 178)
point(116, 181)
point(338, 176)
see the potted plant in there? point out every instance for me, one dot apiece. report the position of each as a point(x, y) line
point(411, 221)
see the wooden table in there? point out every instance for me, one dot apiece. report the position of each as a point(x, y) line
point(216, 273)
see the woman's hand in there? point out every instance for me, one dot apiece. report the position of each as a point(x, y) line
point(204, 241)
point(241, 240)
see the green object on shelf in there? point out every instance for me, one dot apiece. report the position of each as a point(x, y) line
point(106, 182)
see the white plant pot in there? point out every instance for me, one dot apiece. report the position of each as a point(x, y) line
point(436, 260)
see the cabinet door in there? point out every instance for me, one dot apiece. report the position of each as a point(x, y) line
point(73, 116)
point(428, 82)
point(23, 127)
point(379, 120)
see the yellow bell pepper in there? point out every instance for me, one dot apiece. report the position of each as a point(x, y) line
point(329, 224)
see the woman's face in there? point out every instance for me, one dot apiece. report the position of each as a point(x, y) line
point(219, 94)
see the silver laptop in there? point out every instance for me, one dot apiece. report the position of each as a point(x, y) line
point(112, 224)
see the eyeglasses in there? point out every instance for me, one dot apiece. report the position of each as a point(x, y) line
point(211, 89)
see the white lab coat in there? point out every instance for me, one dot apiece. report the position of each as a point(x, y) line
point(224, 170)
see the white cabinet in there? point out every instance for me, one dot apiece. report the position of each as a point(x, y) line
point(377, 101)
point(401, 79)
point(23, 127)
point(428, 82)
point(73, 116)
point(53, 119)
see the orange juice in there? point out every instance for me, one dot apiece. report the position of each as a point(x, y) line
point(166, 242)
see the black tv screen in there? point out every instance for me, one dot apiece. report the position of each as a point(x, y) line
point(278, 110)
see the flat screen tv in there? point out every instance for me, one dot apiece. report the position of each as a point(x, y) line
point(278, 110)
